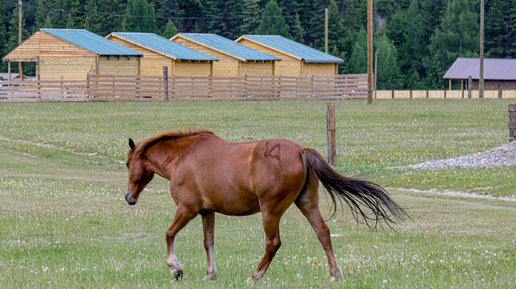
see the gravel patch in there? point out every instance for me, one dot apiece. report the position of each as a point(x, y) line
point(502, 156)
point(452, 193)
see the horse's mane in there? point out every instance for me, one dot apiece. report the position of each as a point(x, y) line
point(143, 145)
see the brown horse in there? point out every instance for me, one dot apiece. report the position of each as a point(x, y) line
point(209, 175)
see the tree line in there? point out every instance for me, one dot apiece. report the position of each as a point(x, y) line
point(416, 40)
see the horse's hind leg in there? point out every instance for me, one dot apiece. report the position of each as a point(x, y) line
point(308, 203)
point(182, 217)
point(208, 225)
point(272, 244)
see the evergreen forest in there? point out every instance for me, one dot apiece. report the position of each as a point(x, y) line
point(416, 40)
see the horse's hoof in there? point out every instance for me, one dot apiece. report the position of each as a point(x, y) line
point(177, 273)
point(337, 275)
point(212, 276)
point(252, 281)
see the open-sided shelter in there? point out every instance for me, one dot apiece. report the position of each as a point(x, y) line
point(159, 51)
point(234, 59)
point(297, 59)
point(499, 73)
point(73, 53)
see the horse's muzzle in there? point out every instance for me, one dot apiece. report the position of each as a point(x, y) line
point(129, 198)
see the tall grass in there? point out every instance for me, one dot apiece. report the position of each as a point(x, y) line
point(65, 223)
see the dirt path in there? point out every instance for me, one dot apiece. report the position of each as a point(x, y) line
point(452, 193)
point(52, 146)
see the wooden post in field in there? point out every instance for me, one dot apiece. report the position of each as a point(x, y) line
point(330, 124)
point(462, 87)
point(165, 81)
point(500, 93)
point(470, 80)
point(512, 122)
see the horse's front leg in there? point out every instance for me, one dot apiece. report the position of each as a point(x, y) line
point(208, 225)
point(182, 217)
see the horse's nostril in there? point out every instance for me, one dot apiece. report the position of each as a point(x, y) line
point(130, 199)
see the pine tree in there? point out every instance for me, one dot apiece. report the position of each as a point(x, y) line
point(273, 22)
point(388, 71)
point(146, 20)
point(73, 20)
point(170, 30)
point(250, 17)
point(339, 38)
point(91, 20)
point(168, 10)
point(456, 36)
point(500, 28)
point(298, 32)
point(12, 39)
point(357, 63)
point(3, 34)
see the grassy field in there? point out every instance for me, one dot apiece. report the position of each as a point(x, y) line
point(65, 222)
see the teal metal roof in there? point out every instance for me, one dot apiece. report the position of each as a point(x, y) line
point(308, 54)
point(229, 46)
point(161, 44)
point(91, 41)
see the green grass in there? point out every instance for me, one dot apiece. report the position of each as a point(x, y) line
point(65, 222)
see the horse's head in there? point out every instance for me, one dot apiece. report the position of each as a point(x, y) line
point(139, 174)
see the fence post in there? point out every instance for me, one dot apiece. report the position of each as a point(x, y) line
point(470, 80)
point(210, 86)
point(138, 87)
point(88, 85)
point(165, 81)
point(445, 94)
point(62, 87)
point(330, 124)
point(427, 93)
point(392, 93)
point(500, 93)
point(411, 93)
point(113, 90)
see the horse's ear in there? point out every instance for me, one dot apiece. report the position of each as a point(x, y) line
point(131, 144)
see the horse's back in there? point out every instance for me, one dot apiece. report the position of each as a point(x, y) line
point(235, 177)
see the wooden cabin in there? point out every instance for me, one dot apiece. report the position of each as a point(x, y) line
point(234, 59)
point(71, 54)
point(296, 59)
point(499, 73)
point(159, 51)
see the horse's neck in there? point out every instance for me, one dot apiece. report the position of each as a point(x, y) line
point(164, 155)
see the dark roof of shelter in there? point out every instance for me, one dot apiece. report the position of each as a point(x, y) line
point(494, 69)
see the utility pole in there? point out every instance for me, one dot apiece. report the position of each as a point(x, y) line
point(326, 30)
point(481, 74)
point(20, 64)
point(375, 72)
point(369, 51)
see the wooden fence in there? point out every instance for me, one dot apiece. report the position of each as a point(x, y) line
point(130, 87)
point(454, 94)
point(511, 125)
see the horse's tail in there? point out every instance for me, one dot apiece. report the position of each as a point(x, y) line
point(355, 192)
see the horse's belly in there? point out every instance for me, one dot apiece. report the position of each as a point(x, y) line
point(234, 205)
